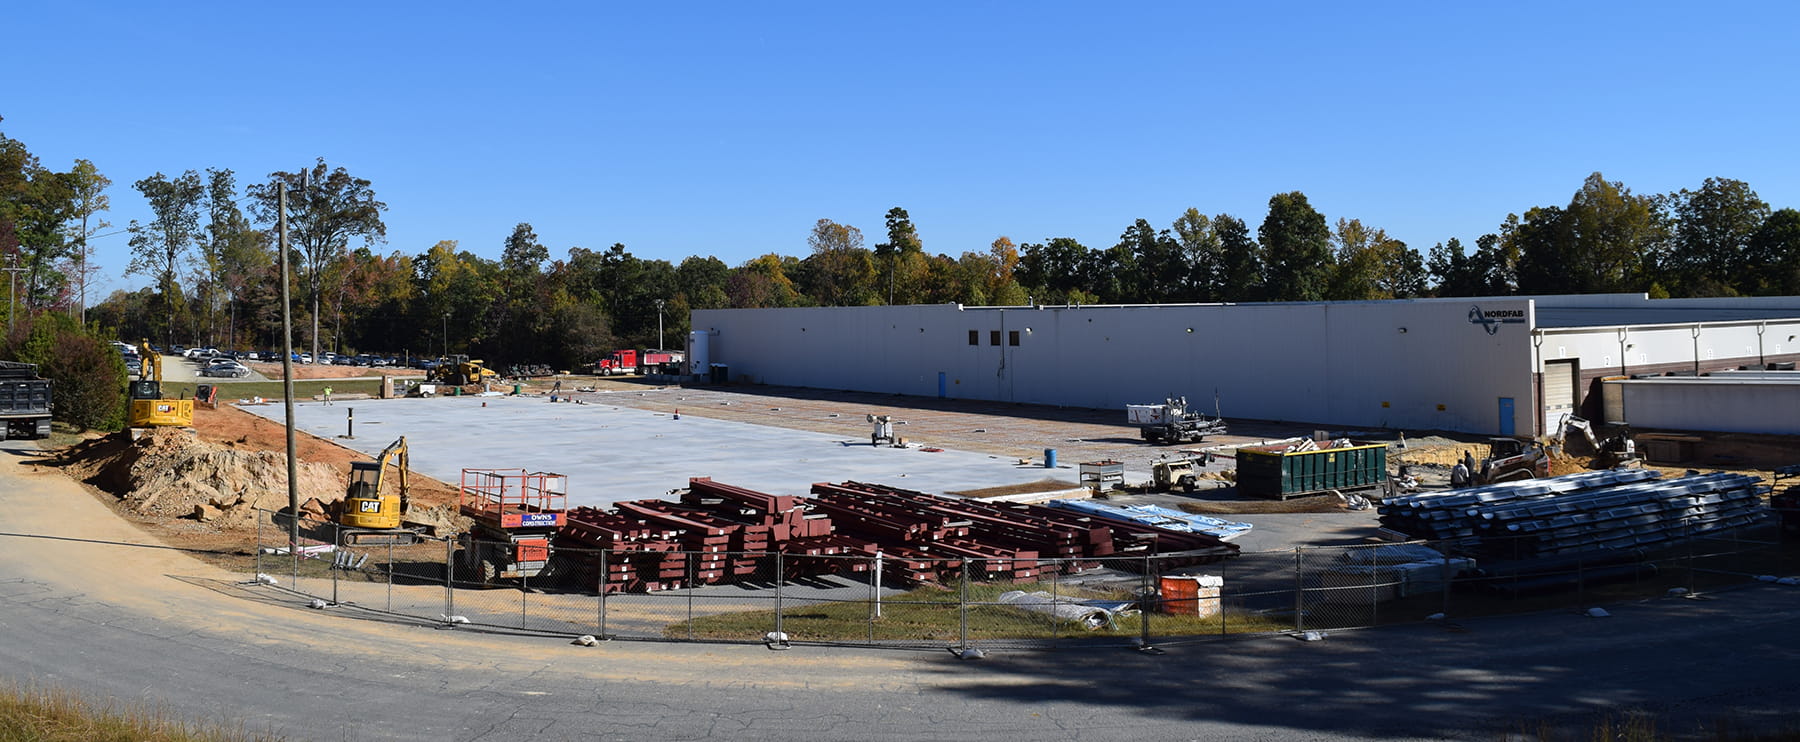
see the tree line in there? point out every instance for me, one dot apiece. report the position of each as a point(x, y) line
point(209, 250)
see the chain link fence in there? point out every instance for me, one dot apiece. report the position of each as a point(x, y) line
point(959, 602)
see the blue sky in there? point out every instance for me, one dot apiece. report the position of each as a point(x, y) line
point(728, 129)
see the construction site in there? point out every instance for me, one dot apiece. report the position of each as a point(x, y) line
point(656, 507)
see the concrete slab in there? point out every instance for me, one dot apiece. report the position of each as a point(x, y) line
point(612, 453)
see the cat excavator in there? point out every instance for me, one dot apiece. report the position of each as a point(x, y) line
point(149, 407)
point(372, 513)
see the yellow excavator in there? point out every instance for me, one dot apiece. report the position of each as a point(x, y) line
point(371, 512)
point(149, 408)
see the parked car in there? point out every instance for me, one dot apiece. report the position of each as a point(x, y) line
point(226, 369)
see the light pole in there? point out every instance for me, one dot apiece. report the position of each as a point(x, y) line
point(659, 332)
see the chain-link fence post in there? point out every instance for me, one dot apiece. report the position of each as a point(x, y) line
point(524, 592)
point(600, 587)
point(962, 604)
point(874, 593)
point(1053, 572)
point(256, 561)
point(1374, 586)
point(390, 579)
point(1299, 594)
point(449, 577)
point(337, 559)
point(780, 582)
point(691, 558)
point(1150, 597)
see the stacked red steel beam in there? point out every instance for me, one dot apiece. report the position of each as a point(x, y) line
point(716, 533)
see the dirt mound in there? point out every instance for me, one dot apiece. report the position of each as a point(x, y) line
point(173, 474)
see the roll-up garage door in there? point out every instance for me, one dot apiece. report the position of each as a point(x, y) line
point(1559, 393)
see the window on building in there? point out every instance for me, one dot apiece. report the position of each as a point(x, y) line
point(1012, 337)
point(993, 337)
point(974, 337)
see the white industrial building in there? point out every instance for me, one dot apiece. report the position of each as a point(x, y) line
point(1496, 365)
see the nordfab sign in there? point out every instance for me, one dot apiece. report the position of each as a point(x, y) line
point(1492, 319)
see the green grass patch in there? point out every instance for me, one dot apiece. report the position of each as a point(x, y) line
point(932, 613)
point(41, 715)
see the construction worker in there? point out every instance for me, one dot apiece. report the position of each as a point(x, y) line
point(327, 396)
point(1459, 475)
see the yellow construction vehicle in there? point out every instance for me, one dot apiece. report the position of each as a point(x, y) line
point(458, 370)
point(370, 513)
point(149, 408)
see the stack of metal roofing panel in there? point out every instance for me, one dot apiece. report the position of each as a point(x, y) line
point(1161, 517)
point(1579, 514)
point(1451, 515)
point(1642, 515)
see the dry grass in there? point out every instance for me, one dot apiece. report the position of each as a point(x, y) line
point(29, 714)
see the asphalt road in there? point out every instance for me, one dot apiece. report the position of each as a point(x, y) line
point(89, 603)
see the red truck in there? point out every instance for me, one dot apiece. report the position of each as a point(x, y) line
point(637, 362)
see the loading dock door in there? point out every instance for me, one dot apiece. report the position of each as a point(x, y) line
point(1559, 393)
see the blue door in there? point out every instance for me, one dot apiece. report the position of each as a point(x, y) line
point(942, 390)
point(1506, 415)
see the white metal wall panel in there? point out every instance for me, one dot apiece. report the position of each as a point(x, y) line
point(1428, 364)
point(1721, 404)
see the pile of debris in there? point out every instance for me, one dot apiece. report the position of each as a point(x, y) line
point(173, 474)
point(1605, 511)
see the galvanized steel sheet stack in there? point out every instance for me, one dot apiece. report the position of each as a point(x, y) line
point(1578, 513)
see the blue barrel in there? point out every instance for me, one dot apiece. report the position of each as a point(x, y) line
point(1049, 458)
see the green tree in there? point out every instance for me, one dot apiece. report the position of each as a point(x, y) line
point(159, 248)
point(87, 191)
point(1713, 229)
point(1055, 271)
point(89, 375)
point(1241, 265)
point(764, 282)
point(701, 283)
point(35, 203)
point(1605, 241)
point(840, 271)
point(327, 209)
point(1777, 244)
point(1296, 249)
point(1202, 254)
point(1151, 267)
point(902, 243)
point(231, 251)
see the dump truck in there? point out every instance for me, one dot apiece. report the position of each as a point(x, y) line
point(1172, 422)
point(629, 361)
point(24, 401)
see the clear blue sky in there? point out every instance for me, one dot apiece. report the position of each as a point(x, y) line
point(727, 129)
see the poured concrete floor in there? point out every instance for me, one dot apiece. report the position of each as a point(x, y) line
point(612, 452)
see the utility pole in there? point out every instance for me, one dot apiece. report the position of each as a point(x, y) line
point(287, 373)
point(446, 334)
point(659, 329)
point(12, 289)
